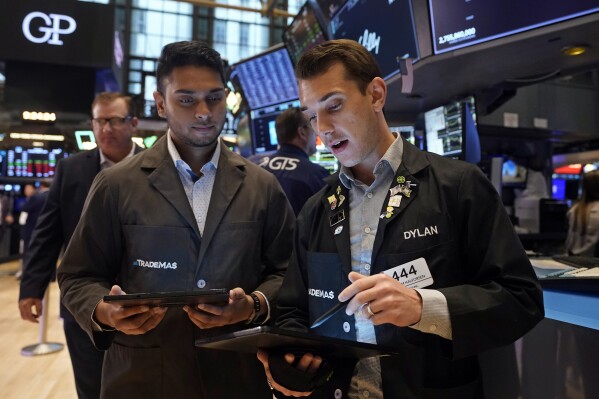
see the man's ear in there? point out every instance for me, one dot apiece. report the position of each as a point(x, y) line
point(378, 91)
point(160, 104)
point(302, 132)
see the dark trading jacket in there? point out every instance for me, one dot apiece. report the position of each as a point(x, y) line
point(455, 220)
point(299, 177)
point(138, 230)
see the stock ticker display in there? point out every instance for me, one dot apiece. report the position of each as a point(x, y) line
point(459, 23)
point(30, 162)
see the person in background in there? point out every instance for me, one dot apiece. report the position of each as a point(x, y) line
point(184, 215)
point(30, 213)
point(299, 177)
point(113, 123)
point(583, 219)
point(418, 246)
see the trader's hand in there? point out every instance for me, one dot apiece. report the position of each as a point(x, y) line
point(131, 320)
point(26, 306)
point(382, 299)
point(308, 363)
point(239, 308)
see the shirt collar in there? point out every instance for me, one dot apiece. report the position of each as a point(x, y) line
point(105, 161)
point(172, 150)
point(390, 160)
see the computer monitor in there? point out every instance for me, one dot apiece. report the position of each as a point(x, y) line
point(303, 33)
point(267, 78)
point(262, 126)
point(385, 28)
point(459, 24)
point(450, 130)
point(330, 7)
point(31, 162)
point(513, 174)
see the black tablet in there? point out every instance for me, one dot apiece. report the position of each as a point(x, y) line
point(250, 340)
point(176, 298)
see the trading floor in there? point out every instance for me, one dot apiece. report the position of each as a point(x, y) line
point(22, 377)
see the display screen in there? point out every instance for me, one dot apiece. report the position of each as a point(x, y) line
point(303, 33)
point(57, 32)
point(513, 174)
point(459, 23)
point(30, 162)
point(330, 7)
point(444, 128)
point(262, 126)
point(266, 79)
point(385, 28)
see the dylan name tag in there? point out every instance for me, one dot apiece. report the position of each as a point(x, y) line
point(413, 274)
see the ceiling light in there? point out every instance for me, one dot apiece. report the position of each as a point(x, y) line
point(575, 50)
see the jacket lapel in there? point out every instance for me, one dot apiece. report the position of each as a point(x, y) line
point(226, 184)
point(402, 191)
point(336, 205)
point(166, 180)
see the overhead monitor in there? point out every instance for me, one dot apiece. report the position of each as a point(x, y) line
point(458, 23)
point(330, 7)
point(303, 33)
point(267, 78)
point(262, 126)
point(451, 128)
point(385, 28)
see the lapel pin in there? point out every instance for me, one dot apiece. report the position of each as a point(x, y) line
point(341, 199)
point(338, 230)
point(401, 179)
point(333, 201)
point(395, 201)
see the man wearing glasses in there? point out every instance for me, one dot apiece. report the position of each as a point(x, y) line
point(113, 124)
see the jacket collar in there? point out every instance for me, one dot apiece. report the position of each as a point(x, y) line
point(404, 188)
point(165, 178)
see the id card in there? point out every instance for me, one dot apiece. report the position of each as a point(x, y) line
point(413, 274)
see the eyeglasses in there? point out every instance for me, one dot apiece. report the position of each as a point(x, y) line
point(113, 122)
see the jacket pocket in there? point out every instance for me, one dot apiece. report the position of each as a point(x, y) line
point(132, 373)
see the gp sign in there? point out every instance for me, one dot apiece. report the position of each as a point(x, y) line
point(50, 33)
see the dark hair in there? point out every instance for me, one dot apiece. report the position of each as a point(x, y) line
point(287, 124)
point(108, 97)
point(590, 193)
point(187, 53)
point(359, 63)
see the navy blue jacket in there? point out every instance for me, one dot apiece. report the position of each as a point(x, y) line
point(299, 177)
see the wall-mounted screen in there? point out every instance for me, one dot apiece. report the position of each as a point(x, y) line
point(30, 162)
point(459, 23)
point(385, 28)
point(303, 33)
point(266, 79)
point(57, 32)
point(450, 130)
point(262, 126)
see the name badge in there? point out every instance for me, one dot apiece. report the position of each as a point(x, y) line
point(413, 274)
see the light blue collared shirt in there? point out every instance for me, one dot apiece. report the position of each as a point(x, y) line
point(197, 188)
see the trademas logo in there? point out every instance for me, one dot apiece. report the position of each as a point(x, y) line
point(52, 30)
point(321, 293)
point(155, 264)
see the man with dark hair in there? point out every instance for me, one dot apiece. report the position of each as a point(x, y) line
point(291, 164)
point(419, 246)
point(186, 214)
point(113, 123)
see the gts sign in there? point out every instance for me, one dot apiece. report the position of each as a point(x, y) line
point(52, 26)
point(280, 163)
